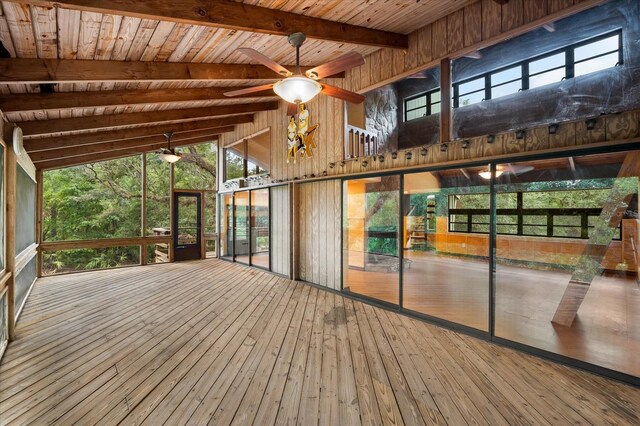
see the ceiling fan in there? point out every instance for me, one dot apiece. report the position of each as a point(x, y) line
point(298, 88)
point(169, 154)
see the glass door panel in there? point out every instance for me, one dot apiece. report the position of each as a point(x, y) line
point(226, 226)
point(371, 209)
point(446, 246)
point(187, 225)
point(567, 262)
point(260, 228)
point(241, 236)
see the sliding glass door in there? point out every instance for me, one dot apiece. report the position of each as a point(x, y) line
point(226, 226)
point(446, 246)
point(562, 235)
point(241, 234)
point(260, 228)
point(371, 227)
point(567, 261)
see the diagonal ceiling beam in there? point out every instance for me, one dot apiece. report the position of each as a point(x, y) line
point(46, 127)
point(176, 140)
point(68, 141)
point(107, 98)
point(237, 16)
point(102, 156)
point(36, 71)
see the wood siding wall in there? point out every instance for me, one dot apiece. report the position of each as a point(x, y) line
point(280, 230)
point(318, 221)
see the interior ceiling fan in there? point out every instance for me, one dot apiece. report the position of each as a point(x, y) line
point(299, 88)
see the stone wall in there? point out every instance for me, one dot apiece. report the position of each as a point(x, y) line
point(381, 117)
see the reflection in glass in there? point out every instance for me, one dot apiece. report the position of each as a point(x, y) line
point(567, 281)
point(258, 154)
point(187, 213)
point(260, 228)
point(370, 237)
point(445, 271)
point(241, 241)
point(226, 226)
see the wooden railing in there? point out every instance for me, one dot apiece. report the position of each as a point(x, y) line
point(359, 143)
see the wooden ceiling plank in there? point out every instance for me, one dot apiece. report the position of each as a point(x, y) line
point(67, 141)
point(45, 127)
point(36, 71)
point(153, 141)
point(237, 16)
point(103, 156)
point(104, 98)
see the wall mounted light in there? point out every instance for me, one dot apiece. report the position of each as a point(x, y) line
point(591, 123)
point(465, 144)
point(332, 165)
point(443, 147)
point(342, 163)
point(424, 151)
point(553, 129)
point(365, 163)
point(491, 138)
point(394, 154)
point(520, 134)
point(408, 155)
point(381, 158)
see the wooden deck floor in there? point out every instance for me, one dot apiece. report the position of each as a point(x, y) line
point(218, 343)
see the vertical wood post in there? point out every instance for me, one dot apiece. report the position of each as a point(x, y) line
point(171, 182)
point(143, 210)
point(39, 214)
point(293, 232)
point(10, 224)
point(445, 100)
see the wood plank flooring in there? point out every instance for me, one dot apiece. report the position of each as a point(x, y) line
point(212, 342)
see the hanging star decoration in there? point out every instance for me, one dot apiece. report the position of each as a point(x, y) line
point(300, 135)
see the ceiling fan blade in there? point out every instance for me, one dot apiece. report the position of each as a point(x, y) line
point(338, 65)
point(345, 95)
point(248, 90)
point(266, 61)
point(292, 109)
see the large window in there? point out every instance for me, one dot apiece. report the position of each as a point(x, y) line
point(578, 59)
point(422, 105)
point(248, 157)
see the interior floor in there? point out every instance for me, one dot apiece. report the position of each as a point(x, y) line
point(606, 330)
point(216, 342)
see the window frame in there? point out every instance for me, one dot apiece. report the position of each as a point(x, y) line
point(569, 67)
point(428, 95)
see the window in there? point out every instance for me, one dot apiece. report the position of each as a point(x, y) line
point(422, 105)
point(249, 157)
point(579, 59)
point(565, 214)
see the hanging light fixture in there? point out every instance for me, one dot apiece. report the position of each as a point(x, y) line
point(169, 154)
point(486, 174)
point(297, 88)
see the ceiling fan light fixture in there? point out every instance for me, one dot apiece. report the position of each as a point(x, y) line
point(486, 174)
point(297, 89)
point(170, 155)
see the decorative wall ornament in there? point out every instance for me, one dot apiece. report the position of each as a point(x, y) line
point(300, 135)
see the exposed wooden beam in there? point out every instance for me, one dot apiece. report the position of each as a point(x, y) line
point(40, 71)
point(106, 98)
point(237, 16)
point(95, 148)
point(46, 127)
point(68, 141)
point(102, 156)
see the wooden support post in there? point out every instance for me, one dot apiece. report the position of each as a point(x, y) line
point(171, 184)
point(445, 100)
point(39, 214)
point(10, 232)
point(293, 233)
point(590, 263)
point(143, 210)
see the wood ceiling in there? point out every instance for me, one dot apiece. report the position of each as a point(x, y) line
point(138, 57)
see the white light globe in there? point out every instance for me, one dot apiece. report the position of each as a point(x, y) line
point(297, 89)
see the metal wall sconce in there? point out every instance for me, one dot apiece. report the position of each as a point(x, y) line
point(423, 151)
point(491, 138)
point(342, 163)
point(408, 155)
point(520, 134)
point(443, 147)
point(553, 129)
point(332, 165)
point(365, 163)
point(324, 173)
point(381, 158)
point(394, 155)
point(465, 144)
point(591, 123)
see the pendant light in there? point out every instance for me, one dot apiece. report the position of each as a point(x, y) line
point(169, 154)
point(297, 88)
